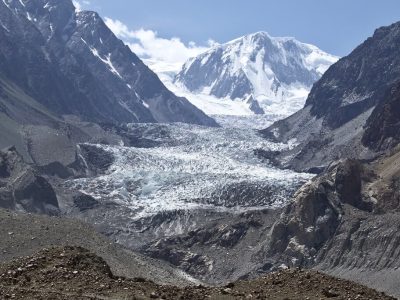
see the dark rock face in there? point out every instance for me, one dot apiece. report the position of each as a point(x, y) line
point(93, 159)
point(56, 169)
point(268, 156)
point(85, 202)
point(345, 222)
point(312, 219)
point(255, 106)
point(352, 85)
point(71, 63)
point(221, 250)
point(347, 101)
point(383, 127)
point(22, 188)
point(136, 137)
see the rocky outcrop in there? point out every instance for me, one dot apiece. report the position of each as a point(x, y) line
point(344, 222)
point(254, 106)
point(316, 213)
point(22, 188)
point(382, 128)
point(217, 251)
point(177, 250)
point(92, 160)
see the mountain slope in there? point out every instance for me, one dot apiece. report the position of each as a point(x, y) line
point(74, 65)
point(25, 234)
point(382, 128)
point(80, 274)
point(332, 123)
point(346, 223)
point(274, 72)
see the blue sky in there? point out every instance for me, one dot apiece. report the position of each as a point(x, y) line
point(335, 26)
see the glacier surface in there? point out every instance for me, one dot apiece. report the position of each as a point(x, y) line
point(193, 167)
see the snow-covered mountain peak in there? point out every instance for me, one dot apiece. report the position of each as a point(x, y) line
point(273, 70)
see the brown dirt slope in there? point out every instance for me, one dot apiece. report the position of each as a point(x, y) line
point(26, 234)
point(75, 273)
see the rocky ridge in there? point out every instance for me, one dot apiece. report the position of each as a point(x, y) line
point(269, 74)
point(342, 105)
point(71, 63)
point(344, 222)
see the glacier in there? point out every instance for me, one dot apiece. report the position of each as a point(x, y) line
point(192, 168)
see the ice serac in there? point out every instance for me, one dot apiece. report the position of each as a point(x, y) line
point(71, 62)
point(276, 72)
point(347, 113)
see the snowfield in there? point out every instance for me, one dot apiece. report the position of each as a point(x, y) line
point(277, 73)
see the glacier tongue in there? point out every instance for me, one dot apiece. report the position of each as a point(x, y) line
point(193, 168)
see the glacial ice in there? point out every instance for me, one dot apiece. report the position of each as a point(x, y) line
point(193, 168)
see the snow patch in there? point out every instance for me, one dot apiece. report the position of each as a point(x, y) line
point(124, 105)
point(4, 26)
point(28, 16)
point(7, 4)
point(106, 60)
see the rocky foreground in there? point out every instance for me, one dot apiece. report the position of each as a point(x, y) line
point(75, 273)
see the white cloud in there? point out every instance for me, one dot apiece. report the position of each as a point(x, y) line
point(119, 28)
point(151, 47)
point(79, 4)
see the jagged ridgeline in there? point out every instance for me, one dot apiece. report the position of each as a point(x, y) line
point(70, 63)
point(272, 75)
point(344, 103)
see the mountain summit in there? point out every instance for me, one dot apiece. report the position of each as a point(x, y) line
point(275, 72)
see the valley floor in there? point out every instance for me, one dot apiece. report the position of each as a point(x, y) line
point(196, 197)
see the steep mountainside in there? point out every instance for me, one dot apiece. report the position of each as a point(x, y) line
point(72, 64)
point(345, 222)
point(382, 128)
point(334, 119)
point(259, 69)
point(37, 133)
